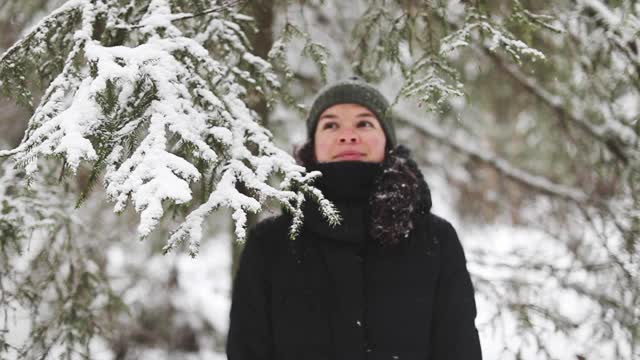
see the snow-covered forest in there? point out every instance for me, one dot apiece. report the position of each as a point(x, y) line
point(140, 138)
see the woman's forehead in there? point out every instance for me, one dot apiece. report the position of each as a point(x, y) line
point(342, 110)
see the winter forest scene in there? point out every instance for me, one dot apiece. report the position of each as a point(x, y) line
point(141, 139)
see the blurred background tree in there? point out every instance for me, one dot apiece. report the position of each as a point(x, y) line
point(523, 116)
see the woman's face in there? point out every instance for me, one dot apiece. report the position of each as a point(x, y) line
point(349, 132)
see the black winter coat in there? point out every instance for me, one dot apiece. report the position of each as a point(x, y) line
point(335, 294)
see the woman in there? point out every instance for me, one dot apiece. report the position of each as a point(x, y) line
point(390, 282)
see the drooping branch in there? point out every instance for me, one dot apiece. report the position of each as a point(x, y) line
point(156, 116)
point(605, 133)
point(536, 182)
point(186, 16)
point(50, 19)
point(617, 138)
point(612, 24)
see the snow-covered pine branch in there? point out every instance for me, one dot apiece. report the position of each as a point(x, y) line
point(495, 37)
point(47, 274)
point(386, 36)
point(503, 166)
point(159, 112)
point(621, 29)
point(24, 211)
point(618, 138)
point(432, 82)
point(42, 51)
point(439, 80)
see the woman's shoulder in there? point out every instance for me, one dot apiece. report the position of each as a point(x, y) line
point(438, 223)
point(446, 237)
point(441, 230)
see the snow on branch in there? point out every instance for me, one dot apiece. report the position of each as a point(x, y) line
point(252, 171)
point(432, 80)
point(25, 211)
point(162, 112)
point(42, 28)
point(603, 12)
point(501, 165)
point(618, 138)
point(499, 37)
point(185, 16)
point(427, 80)
point(32, 54)
point(621, 29)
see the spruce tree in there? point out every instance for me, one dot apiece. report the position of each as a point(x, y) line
point(153, 94)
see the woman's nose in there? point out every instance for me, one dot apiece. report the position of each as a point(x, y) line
point(348, 136)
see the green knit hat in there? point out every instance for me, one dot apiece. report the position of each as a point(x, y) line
point(354, 90)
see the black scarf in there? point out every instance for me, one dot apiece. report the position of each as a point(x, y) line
point(379, 200)
point(348, 185)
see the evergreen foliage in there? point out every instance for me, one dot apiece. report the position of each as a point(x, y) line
point(538, 103)
point(147, 104)
point(48, 271)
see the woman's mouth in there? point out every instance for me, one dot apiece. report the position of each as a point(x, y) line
point(350, 155)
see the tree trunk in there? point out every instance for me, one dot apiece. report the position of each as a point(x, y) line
point(261, 41)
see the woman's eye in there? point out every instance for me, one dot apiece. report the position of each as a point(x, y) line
point(329, 125)
point(365, 123)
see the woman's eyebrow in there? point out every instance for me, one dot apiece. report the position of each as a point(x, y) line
point(328, 116)
point(365, 114)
